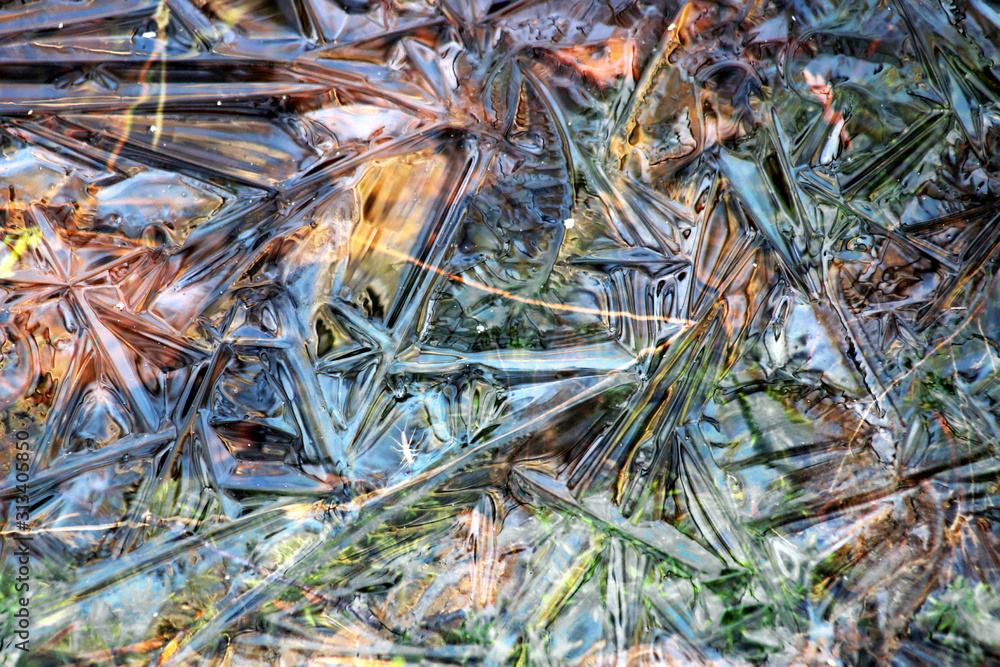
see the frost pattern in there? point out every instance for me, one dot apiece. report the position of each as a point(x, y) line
point(524, 332)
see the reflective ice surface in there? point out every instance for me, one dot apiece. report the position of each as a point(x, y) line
point(597, 332)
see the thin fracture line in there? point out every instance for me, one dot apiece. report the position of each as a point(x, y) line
point(529, 301)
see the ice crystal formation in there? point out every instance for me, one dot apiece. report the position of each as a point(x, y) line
point(580, 332)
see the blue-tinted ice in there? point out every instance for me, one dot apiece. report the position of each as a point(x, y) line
point(596, 332)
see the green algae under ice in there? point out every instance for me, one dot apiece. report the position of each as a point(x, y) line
point(587, 333)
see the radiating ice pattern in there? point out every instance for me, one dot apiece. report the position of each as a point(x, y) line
point(597, 332)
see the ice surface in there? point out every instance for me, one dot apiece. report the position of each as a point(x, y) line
point(581, 332)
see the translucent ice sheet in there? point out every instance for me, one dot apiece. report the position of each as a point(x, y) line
point(596, 332)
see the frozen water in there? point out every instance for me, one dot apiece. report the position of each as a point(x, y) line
point(540, 333)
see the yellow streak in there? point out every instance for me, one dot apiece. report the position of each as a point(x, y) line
point(529, 301)
point(162, 17)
